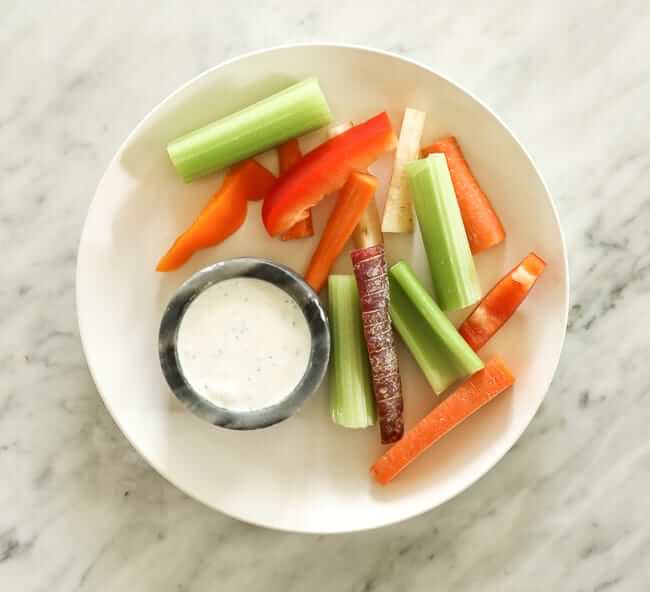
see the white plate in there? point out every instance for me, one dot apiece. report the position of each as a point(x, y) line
point(306, 474)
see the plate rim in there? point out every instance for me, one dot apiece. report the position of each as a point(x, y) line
point(452, 491)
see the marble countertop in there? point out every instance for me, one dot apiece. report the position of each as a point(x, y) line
point(567, 509)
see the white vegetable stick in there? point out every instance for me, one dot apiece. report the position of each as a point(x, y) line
point(368, 229)
point(398, 213)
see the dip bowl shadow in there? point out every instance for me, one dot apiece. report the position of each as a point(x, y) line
point(285, 279)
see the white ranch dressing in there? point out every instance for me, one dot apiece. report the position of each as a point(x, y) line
point(243, 344)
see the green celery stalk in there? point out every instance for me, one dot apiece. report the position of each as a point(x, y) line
point(442, 354)
point(352, 402)
point(291, 112)
point(455, 280)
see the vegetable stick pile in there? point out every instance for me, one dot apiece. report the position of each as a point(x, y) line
point(456, 219)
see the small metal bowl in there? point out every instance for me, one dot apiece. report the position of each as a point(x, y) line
point(294, 286)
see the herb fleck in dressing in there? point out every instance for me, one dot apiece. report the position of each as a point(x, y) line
point(244, 344)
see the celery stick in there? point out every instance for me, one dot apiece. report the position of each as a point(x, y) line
point(352, 402)
point(455, 281)
point(291, 112)
point(442, 354)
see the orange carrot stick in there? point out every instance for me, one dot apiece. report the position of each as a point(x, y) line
point(500, 302)
point(288, 155)
point(483, 227)
point(351, 203)
point(223, 215)
point(468, 398)
point(368, 231)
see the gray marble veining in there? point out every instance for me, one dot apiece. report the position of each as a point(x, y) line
point(566, 509)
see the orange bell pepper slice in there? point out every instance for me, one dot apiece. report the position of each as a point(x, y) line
point(223, 215)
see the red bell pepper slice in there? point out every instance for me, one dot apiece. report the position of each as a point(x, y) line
point(325, 170)
point(501, 302)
